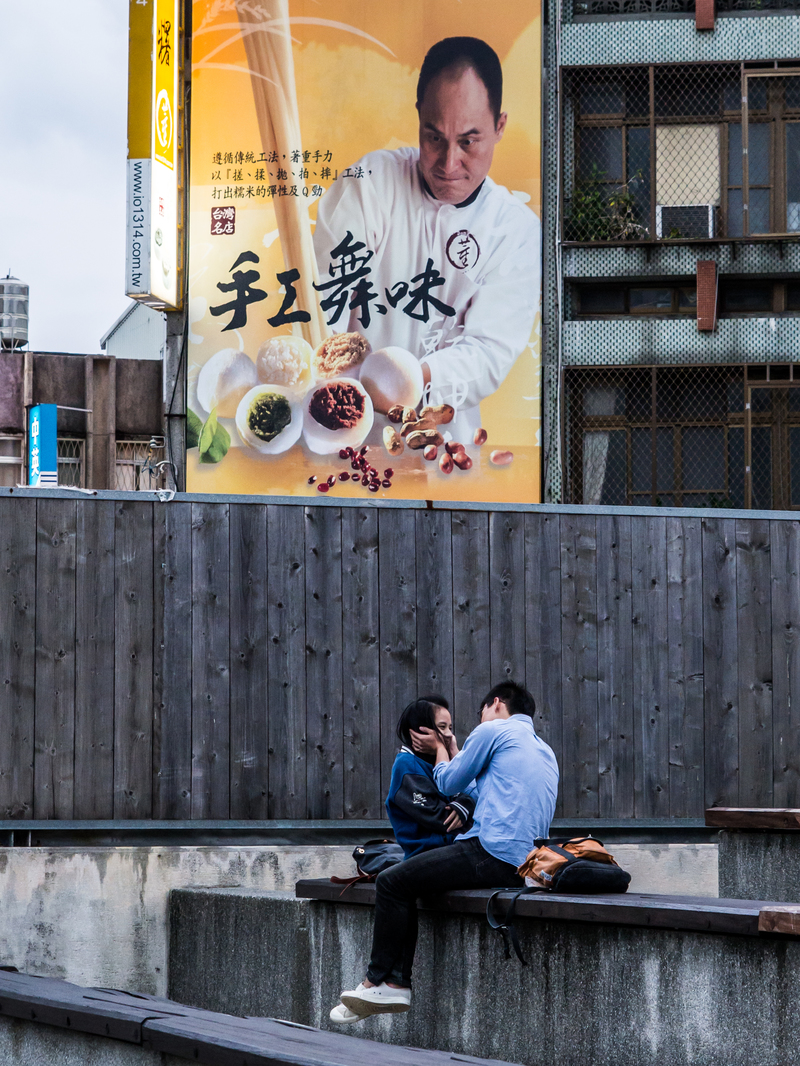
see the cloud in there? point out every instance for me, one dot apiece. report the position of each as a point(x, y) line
point(63, 131)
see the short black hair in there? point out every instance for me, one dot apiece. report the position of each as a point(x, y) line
point(419, 712)
point(470, 52)
point(515, 697)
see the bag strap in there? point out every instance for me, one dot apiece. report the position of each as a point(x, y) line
point(506, 926)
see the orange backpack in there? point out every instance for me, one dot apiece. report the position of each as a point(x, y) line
point(580, 865)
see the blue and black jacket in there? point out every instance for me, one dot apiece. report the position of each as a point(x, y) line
point(416, 808)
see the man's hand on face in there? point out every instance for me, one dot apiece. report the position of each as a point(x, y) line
point(427, 741)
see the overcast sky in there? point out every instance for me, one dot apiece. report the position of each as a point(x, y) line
point(63, 87)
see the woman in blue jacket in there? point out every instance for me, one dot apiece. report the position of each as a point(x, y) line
point(422, 818)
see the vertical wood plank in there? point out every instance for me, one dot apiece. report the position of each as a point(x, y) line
point(650, 665)
point(172, 668)
point(435, 606)
point(94, 660)
point(211, 661)
point(685, 653)
point(615, 667)
point(720, 663)
point(754, 624)
point(398, 627)
point(17, 655)
point(249, 680)
point(55, 659)
point(133, 660)
point(579, 770)
point(472, 648)
point(543, 630)
point(324, 720)
point(286, 661)
point(507, 596)
point(785, 579)
point(361, 664)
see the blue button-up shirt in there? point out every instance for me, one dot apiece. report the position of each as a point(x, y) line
point(517, 779)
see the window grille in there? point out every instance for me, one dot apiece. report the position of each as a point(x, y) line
point(683, 436)
point(11, 460)
point(681, 153)
point(70, 461)
point(612, 8)
point(137, 464)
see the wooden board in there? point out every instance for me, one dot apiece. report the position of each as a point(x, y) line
point(55, 659)
point(286, 611)
point(249, 680)
point(95, 636)
point(685, 660)
point(17, 655)
point(398, 628)
point(753, 817)
point(650, 666)
point(720, 662)
point(507, 596)
point(543, 629)
point(434, 555)
point(324, 721)
point(172, 661)
point(753, 604)
point(615, 707)
point(211, 661)
point(471, 615)
point(361, 704)
point(785, 601)
point(133, 660)
point(580, 763)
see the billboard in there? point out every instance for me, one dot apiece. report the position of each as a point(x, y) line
point(42, 446)
point(152, 207)
point(364, 249)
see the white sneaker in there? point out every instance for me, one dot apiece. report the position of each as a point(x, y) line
point(379, 999)
point(343, 1015)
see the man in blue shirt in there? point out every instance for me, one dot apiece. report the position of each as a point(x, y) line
point(517, 785)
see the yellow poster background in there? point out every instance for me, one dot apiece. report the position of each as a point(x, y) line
point(356, 69)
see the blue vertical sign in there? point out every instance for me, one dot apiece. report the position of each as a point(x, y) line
point(42, 446)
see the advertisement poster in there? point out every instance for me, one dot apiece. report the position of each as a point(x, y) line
point(364, 249)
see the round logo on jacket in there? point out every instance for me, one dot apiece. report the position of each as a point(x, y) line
point(463, 250)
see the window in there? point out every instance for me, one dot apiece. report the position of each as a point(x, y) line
point(695, 152)
point(11, 461)
point(683, 436)
point(137, 464)
point(738, 297)
point(70, 461)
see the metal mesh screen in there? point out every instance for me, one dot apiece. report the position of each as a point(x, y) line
point(683, 436)
point(70, 461)
point(695, 152)
point(656, 7)
point(138, 465)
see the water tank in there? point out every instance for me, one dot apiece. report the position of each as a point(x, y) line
point(13, 313)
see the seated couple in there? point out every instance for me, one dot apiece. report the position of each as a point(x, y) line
point(509, 773)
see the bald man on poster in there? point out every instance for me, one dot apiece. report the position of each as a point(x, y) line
point(419, 248)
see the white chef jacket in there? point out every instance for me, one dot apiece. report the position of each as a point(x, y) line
point(487, 252)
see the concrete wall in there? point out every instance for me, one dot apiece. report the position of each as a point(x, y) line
point(759, 865)
point(592, 995)
point(30, 1044)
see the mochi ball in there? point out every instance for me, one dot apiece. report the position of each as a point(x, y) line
point(224, 380)
point(392, 376)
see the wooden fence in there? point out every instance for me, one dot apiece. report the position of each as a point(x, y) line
point(249, 660)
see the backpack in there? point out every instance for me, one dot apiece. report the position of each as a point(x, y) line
point(577, 866)
point(371, 859)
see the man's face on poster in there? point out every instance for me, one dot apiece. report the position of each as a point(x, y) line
point(457, 134)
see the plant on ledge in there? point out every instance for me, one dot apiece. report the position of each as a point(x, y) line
point(599, 213)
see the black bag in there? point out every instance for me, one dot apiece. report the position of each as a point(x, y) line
point(371, 859)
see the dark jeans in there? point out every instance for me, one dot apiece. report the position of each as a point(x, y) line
point(465, 864)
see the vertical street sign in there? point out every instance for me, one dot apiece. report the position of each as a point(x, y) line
point(42, 446)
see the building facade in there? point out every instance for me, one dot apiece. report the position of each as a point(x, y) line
point(671, 369)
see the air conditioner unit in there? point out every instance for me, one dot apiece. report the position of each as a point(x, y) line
point(688, 220)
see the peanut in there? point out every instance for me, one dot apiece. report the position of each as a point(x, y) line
point(415, 427)
point(392, 441)
point(409, 414)
point(395, 413)
point(453, 446)
point(480, 436)
point(441, 413)
point(422, 438)
point(446, 463)
point(501, 458)
point(462, 460)
point(430, 452)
